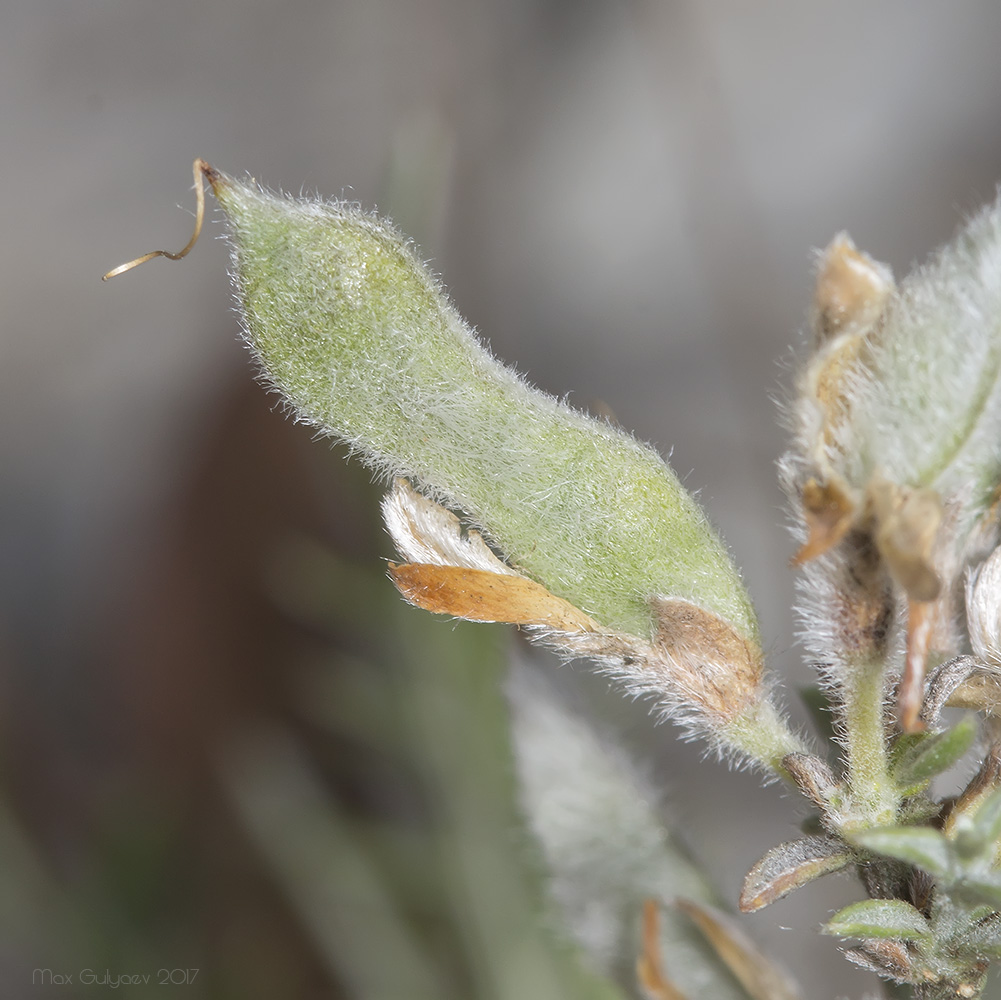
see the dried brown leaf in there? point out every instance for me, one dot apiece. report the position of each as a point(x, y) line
point(649, 965)
point(758, 974)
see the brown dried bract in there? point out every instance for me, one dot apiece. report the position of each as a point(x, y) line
point(829, 512)
point(481, 596)
point(813, 777)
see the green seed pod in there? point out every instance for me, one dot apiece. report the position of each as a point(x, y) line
point(361, 340)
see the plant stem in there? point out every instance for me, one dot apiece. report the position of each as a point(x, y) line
point(873, 797)
point(764, 736)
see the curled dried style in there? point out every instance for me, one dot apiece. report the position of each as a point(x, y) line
point(201, 170)
point(510, 506)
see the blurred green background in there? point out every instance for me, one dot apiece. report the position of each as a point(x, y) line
point(224, 744)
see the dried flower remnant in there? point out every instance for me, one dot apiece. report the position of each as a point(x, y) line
point(201, 169)
point(829, 513)
point(896, 419)
point(850, 294)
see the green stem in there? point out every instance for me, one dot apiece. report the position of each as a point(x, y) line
point(762, 734)
point(873, 796)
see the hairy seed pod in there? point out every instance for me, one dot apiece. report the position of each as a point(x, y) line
point(359, 337)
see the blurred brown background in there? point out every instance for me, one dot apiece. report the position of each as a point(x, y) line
point(621, 196)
